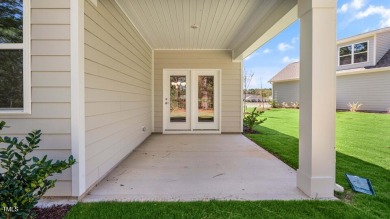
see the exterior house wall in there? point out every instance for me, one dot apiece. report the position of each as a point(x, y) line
point(50, 87)
point(371, 89)
point(202, 59)
point(370, 60)
point(285, 91)
point(382, 44)
point(118, 79)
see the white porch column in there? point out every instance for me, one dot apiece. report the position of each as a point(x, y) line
point(317, 156)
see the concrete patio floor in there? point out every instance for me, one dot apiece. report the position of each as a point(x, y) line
point(198, 167)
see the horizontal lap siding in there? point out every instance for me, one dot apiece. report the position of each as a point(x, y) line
point(382, 44)
point(50, 87)
point(202, 59)
point(117, 88)
point(371, 89)
point(286, 92)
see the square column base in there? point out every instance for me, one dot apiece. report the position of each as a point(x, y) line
point(316, 187)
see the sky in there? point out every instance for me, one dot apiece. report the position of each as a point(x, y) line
point(353, 17)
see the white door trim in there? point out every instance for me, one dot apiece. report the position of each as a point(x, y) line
point(191, 102)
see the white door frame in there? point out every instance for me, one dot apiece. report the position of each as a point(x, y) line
point(191, 101)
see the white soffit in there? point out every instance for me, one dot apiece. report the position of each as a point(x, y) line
point(166, 24)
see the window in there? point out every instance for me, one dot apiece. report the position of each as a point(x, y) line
point(355, 53)
point(14, 57)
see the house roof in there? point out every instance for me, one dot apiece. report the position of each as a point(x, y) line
point(383, 62)
point(363, 35)
point(289, 73)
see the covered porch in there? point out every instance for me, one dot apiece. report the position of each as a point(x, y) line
point(120, 97)
point(198, 167)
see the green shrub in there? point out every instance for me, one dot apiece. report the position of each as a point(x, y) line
point(274, 104)
point(285, 105)
point(295, 105)
point(253, 119)
point(354, 107)
point(23, 178)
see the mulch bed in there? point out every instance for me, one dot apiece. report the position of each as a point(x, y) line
point(53, 212)
point(248, 131)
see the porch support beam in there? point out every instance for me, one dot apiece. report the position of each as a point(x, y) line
point(317, 156)
point(279, 18)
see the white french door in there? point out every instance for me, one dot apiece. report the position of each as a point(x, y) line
point(191, 101)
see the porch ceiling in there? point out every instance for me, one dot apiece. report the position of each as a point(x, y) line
point(222, 24)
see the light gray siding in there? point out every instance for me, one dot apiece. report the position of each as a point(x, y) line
point(50, 87)
point(371, 89)
point(118, 66)
point(202, 59)
point(285, 92)
point(370, 60)
point(382, 44)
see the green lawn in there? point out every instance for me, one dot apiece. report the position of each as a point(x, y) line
point(363, 148)
point(362, 145)
point(216, 209)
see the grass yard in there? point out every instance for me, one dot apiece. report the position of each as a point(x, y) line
point(216, 210)
point(363, 148)
point(362, 145)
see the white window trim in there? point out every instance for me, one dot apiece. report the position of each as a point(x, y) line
point(26, 46)
point(353, 53)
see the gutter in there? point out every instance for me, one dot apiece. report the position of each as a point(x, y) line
point(345, 72)
point(361, 71)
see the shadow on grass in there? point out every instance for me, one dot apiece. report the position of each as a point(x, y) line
point(285, 147)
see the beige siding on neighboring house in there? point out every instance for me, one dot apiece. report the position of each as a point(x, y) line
point(371, 89)
point(118, 66)
point(382, 44)
point(370, 60)
point(202, 59)
point(50, 87)
point(285, 91)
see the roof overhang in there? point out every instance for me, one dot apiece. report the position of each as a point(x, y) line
point(363, 35)
point(361, 71)
point(265, 31)
point(345, 73)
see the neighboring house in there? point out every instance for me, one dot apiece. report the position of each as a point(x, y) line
point(256, 98)
point(363, 73)
point(99, 76)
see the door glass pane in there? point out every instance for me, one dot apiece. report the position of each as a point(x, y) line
point(206, 99)
point(11, 21)
point(178, 98)
point(11, 79)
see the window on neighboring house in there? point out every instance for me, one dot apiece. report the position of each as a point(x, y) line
point(355, 53)
point(14, 60)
